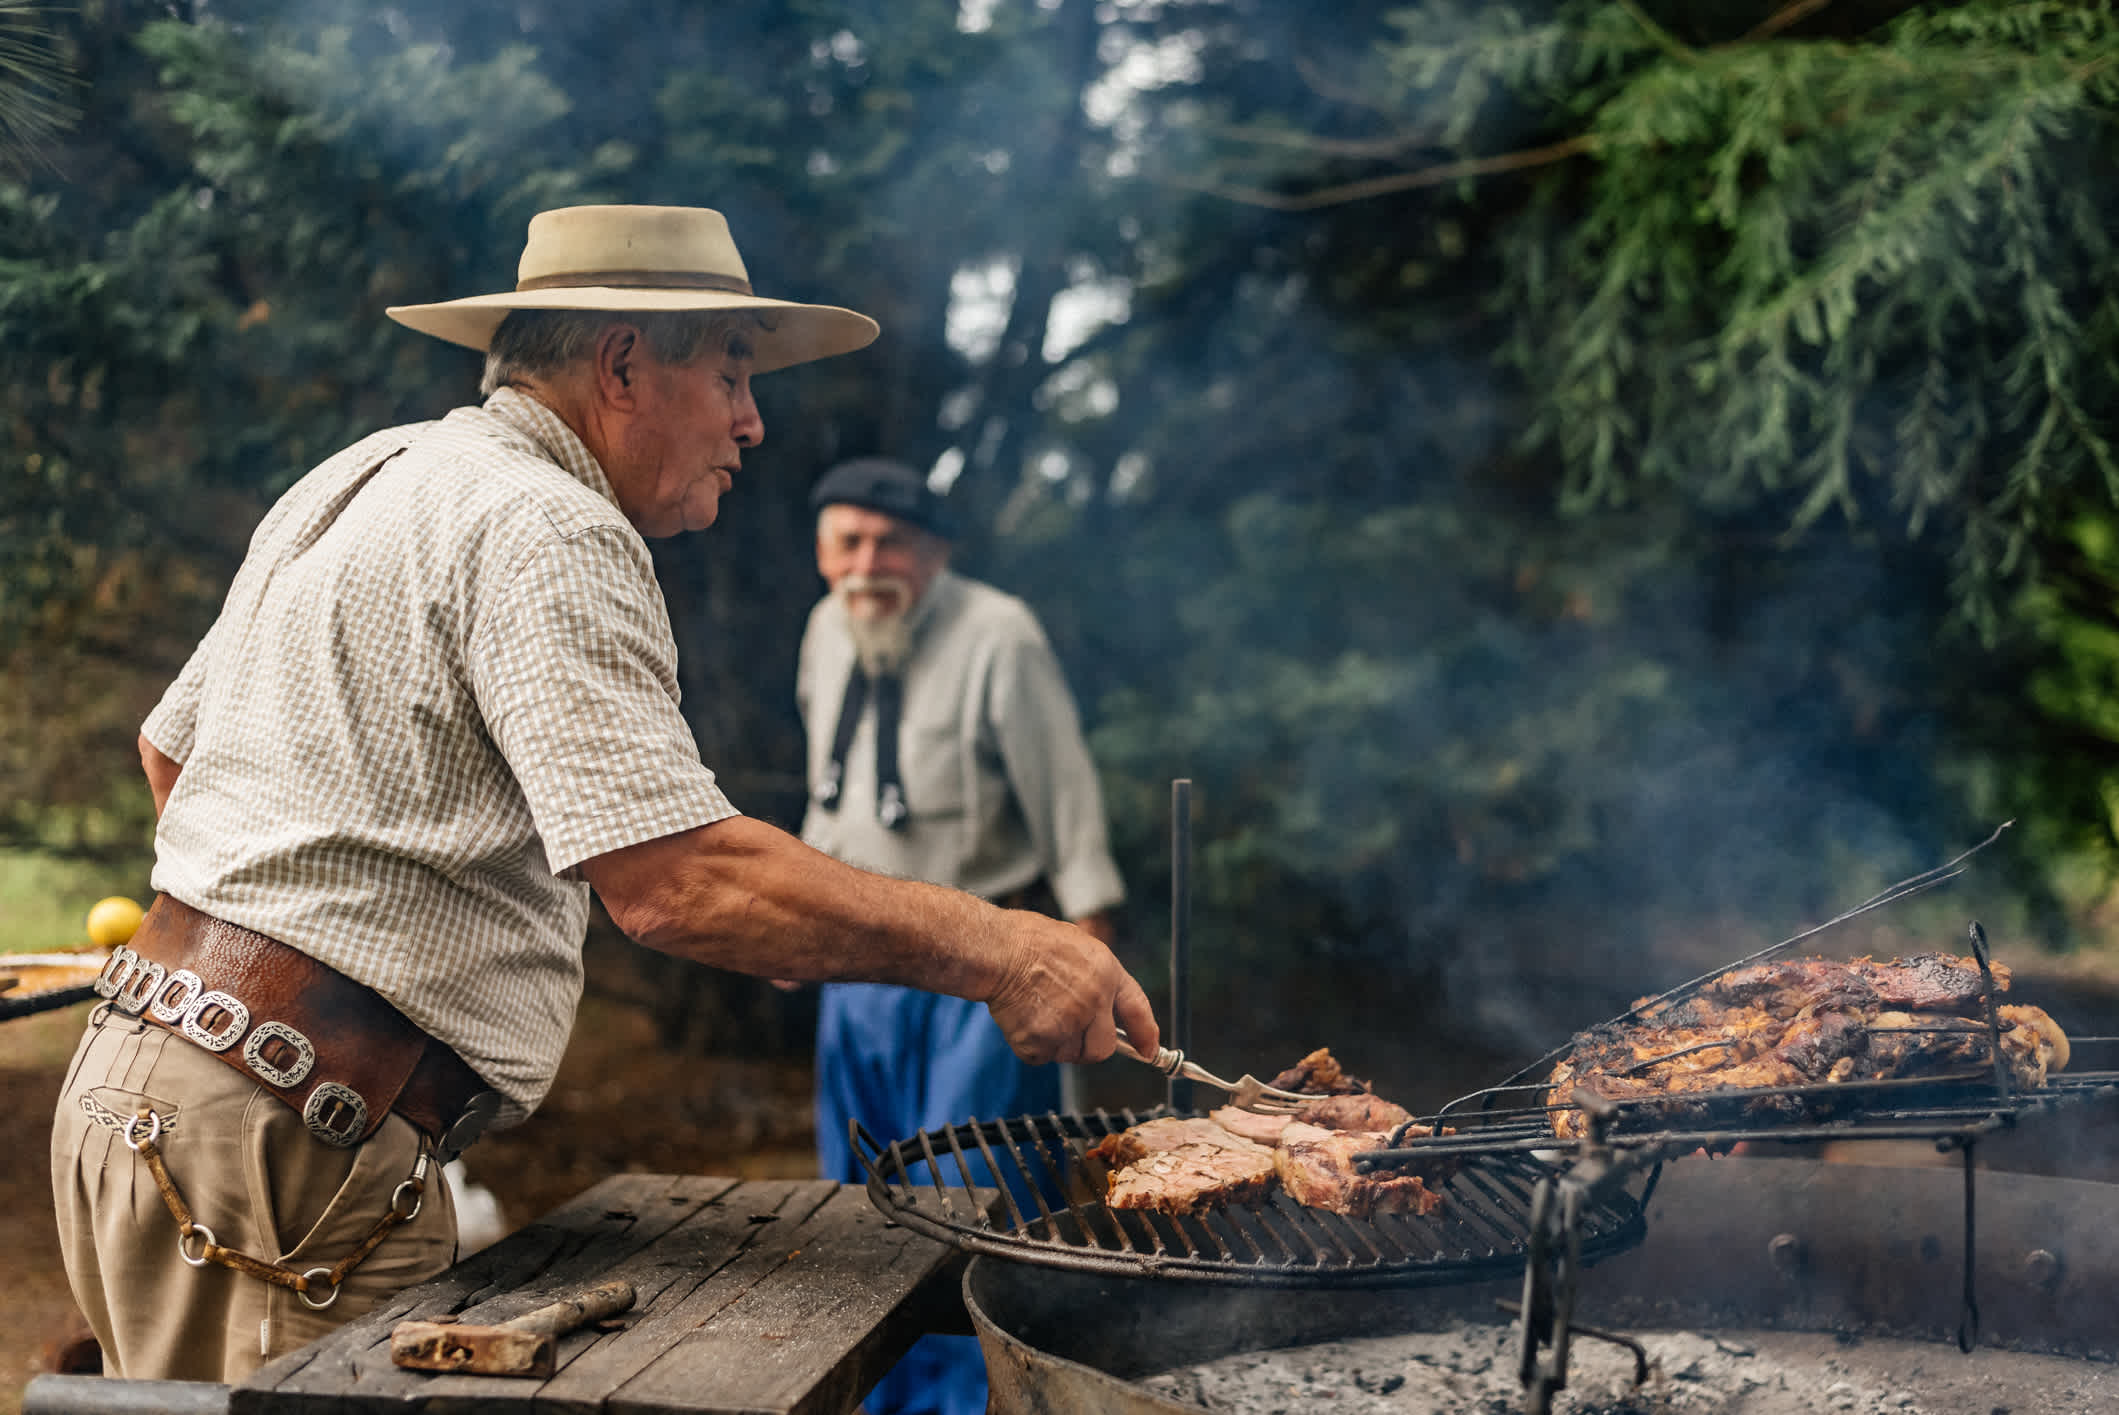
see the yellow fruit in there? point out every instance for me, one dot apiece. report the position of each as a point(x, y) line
point(112, 921)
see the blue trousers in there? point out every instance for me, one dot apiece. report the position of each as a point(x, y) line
point(900, 1062)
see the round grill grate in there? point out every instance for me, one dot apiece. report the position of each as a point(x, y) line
point(1026, 1189)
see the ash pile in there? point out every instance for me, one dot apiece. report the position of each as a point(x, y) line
point(1471, 1369)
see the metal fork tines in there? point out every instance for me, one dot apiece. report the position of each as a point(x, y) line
point(1245, 1092)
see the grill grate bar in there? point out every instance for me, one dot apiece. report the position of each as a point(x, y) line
point(1276, 1220)
point(1496, 1216)
point(1232, 1221)
point(1254, 1226)
point(1155, 1226)
point(993, 1167)
point(1329, 1245)
point(1423, 1241)
point(1198, 1237)
point(1045, 1148)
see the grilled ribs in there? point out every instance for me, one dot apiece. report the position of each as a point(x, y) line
point(1181, 1166)
point(1798, 1027)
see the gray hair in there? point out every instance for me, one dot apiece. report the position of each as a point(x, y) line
point(535, 344)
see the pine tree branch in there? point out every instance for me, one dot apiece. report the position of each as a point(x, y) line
point(36, 86)
point(1329, 147)
point(1852, 258)
point(1664, 40)
point(1780, 19)
point(1400, 182)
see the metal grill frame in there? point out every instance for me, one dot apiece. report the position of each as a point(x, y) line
point(1481, 1231)
point(1951, 1112)
point(1953, 1109)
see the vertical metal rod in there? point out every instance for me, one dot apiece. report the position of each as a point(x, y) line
point(1968, 1318)
point(1177, 1027)
point(1986, 996)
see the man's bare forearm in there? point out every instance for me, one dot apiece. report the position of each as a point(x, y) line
point(739, 894)
point(742, 895)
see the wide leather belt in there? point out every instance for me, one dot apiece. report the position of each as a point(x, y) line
point(330, 1047)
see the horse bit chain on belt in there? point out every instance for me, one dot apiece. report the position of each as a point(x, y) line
point(404, 1207)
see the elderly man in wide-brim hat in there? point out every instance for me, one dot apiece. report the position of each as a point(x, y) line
point(438, 707)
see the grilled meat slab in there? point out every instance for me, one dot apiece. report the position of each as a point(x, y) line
point(1265, 1129)
point(1175, 1166)
point(1316, 1167)
point(1355, 1112)
point(1181, 1166)
point(1803, 1023)
point(1350, 1112)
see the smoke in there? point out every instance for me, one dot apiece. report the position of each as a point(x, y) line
point(1261, 470)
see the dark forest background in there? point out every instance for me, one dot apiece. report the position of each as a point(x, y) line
point(1582, 489)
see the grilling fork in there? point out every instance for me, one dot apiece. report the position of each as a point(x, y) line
point(1245, 1092)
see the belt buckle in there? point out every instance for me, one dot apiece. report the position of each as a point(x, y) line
point(463, 1132)
point(336, 1115)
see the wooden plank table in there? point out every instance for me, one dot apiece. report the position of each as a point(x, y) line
point(759, 1297)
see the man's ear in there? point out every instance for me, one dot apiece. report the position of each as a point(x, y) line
point(619, 349)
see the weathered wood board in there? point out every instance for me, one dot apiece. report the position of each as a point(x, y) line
point(787, 1297)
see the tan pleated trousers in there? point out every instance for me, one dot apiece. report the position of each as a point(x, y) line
point(251, 1173)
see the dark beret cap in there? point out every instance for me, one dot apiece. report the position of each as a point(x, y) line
point(880, 484)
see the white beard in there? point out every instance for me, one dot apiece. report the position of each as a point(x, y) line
point(881, 641)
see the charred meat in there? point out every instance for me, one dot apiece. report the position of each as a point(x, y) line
point(1798, 1026)
point(1318, 1074)
point(1362, 1111)
point(1181, 1166)
point(1316, 1167)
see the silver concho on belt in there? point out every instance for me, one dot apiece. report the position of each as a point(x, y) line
point(334, 1114)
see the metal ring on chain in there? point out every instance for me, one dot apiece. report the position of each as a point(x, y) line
point(153, 1133)
point(303, 1292)
point(397, 1198)
point(207, 1240)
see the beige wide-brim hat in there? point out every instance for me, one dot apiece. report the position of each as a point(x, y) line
point(641, 258)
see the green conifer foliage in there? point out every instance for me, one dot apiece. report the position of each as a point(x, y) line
point(36, 87)
point(1855, 269)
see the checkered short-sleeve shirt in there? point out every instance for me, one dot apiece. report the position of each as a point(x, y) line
point(443, 678)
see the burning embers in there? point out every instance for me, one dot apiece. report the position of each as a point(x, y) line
point(1186, 1166)
point(1801, 1028)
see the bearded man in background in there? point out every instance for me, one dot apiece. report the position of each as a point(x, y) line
point(943, 746)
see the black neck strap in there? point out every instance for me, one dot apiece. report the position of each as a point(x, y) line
point(891, 808)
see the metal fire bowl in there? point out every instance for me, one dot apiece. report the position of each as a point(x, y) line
point(1742, 1242)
